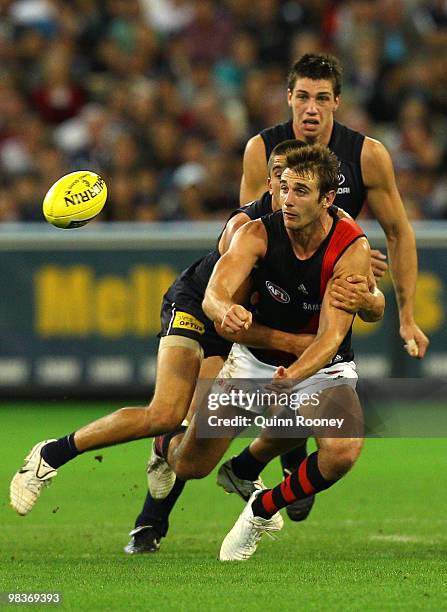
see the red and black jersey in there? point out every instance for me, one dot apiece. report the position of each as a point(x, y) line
point(291, 290)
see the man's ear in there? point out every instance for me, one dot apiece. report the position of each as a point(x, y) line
point(289, 97)
point(269, 185)
point(328, 199)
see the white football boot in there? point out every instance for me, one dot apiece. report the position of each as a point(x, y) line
point(228, 480)
point(241, 542)
point(160, 476)
point(30, 480)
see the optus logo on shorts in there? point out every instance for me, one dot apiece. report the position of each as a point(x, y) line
point(277, 293)
point(184, 320)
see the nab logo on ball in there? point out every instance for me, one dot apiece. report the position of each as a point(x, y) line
point(75, 199)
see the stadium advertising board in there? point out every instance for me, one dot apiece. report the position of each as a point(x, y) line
point(85, 320)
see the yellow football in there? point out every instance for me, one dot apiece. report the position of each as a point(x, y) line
point(75, 199)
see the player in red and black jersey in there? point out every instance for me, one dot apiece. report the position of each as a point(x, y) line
point(294, 255)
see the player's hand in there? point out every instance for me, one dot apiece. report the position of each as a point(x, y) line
point(236, 318)
point(378, 263)
point(416, 342)
point(351, 294)
point(342, 214)
point(282, 380)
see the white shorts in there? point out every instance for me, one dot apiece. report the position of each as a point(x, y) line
point(241, 370)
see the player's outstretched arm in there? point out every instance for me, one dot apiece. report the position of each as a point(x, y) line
point(231, 271)
point(261, 336)
point(384, 201)
point(334, 323)
point(254, 170)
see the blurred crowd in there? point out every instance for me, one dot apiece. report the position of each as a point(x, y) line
point(160, 96)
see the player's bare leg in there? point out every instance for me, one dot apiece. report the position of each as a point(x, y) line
point(319, 471)
point(193, 457)
point(177, 371)
point(164, 488)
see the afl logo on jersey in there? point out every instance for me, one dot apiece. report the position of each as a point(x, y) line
point(277, 293)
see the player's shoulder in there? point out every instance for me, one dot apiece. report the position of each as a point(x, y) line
point(255, 145)
point(376, 162)
point(374, 150)
point(348, 225)
point(253, 228)
point(346, 143)
point(346, 233)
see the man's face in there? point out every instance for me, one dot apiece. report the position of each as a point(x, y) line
point(279, 163)
point(313, 105)
point(300, 199)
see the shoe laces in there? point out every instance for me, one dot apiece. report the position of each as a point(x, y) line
point(260, 527)
point(36, 485)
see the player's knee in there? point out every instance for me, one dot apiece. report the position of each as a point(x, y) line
point(186, 469)
point(162, 418)
point(343, 457)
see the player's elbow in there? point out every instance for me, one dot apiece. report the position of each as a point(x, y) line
point(400, 230)
point(373, 316)
point(206, 304)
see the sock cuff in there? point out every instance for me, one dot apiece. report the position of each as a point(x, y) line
point(72, 445)
point(314, 475)
point(166, 440)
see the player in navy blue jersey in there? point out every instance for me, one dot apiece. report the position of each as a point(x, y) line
point(365, 175)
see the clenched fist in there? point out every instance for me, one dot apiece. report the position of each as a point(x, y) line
point(236, 318)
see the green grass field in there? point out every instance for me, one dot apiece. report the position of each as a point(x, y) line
point(375, 541)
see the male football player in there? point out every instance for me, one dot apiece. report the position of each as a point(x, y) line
point(365, 175)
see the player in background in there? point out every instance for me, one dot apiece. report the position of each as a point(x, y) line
point(366, 174)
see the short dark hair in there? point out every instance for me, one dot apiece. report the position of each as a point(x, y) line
point(316, 160)
point(282, 148)
point(317, 66)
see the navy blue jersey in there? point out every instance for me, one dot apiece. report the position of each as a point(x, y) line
point(198, 274)
point(347, 146)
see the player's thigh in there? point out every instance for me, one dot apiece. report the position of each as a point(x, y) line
point(209, 369)
point(265, 447)
point(178, 366)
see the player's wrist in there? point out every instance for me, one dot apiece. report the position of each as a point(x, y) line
point(406, 318)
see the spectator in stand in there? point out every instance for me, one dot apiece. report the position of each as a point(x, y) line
point(145, 87)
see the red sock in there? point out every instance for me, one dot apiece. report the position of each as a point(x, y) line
point(306, 480)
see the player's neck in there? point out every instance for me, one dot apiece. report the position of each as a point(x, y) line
point(323, 138)
point(306, 241)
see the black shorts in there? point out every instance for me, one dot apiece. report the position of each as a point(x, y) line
point(182, 315)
